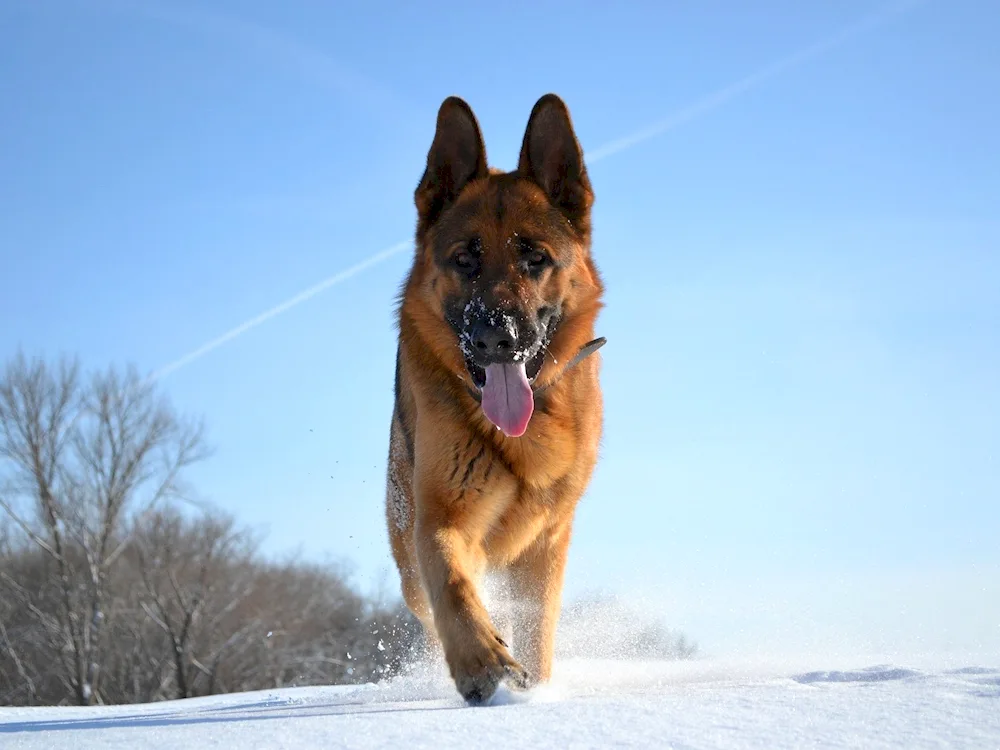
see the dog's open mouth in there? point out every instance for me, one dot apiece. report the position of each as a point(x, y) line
point(532, 368)
point(507, 398)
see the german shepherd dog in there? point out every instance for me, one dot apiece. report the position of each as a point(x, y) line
point(498, 411)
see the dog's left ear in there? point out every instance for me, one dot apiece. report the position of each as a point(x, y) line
point(551, 157)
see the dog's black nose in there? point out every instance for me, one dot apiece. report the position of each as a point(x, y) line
point(493, 341)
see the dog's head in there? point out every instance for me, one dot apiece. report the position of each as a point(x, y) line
point(503, 259)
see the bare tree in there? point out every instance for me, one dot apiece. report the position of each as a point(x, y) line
point(195, 573)
point(77, 461)
point(18, 682)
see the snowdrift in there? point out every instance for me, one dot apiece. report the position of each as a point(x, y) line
point(702, 703)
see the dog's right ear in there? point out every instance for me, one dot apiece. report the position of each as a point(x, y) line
point(456, 157)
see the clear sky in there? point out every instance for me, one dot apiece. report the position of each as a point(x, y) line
point(801, 246)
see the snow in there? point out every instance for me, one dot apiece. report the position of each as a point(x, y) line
point(943, 701)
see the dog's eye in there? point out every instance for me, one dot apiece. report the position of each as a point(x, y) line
point(466, 255)
point(533, 256)
point(536, 259)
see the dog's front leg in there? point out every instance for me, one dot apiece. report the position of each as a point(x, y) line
point(536, 584)
point(477, 656)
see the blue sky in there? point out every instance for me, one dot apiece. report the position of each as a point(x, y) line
point(802, 380)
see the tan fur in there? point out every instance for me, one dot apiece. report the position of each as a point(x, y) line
point(463, 498)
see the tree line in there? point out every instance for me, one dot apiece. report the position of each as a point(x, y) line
point(116, 588)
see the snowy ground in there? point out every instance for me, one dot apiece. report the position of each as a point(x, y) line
point(920, 703)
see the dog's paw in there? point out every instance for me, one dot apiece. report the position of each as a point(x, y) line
point(481, 667)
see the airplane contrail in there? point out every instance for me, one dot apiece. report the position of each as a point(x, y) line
point(288, 304)
point(724, 95)
point(706, 104)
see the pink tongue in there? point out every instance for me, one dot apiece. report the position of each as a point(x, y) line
point(507, 398)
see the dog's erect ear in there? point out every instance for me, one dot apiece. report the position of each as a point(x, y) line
point(552, 157)
point(456, 157)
